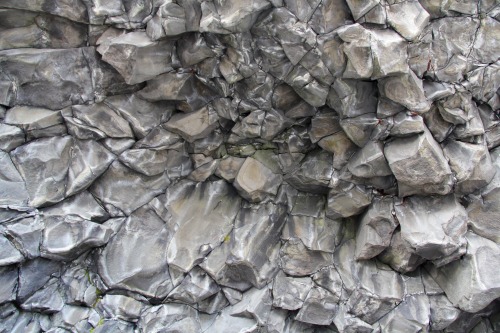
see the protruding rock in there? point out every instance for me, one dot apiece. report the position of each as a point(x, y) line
point(419, 165)
point(314, 173)
point(407, 125)
point(360, 8)
point(121, 307)
point(13, 190)
point(255, 181)
point(201, 224)
point(471, 163)
point(104, 119)
point(290, 292)
point(356, 97)
point(43, 164)
point(193, 125)
point(443, 313)
point(405, 89)
point(319, 307)
point(297, 260)
point(411, 315)
point(369, 161)
point(8, 253)
point(114, 185)
point(128, 262)
point(36, 122)
point(359, 129)
point(412, 23)
point(170, 315)
point(434, 227)
point(8, 286)
point(400, 256)
point(469, 283)
point(350, 200)
point(375, 228)
point(195, 287)
point(136, 57)
point(66, 238)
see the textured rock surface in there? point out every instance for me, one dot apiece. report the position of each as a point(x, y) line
point(249, 166)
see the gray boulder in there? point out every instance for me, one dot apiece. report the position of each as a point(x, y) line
point(434, 227)
point(255, 181)
point(136, 57)
point(290, 292)
point(419, 165)
point(468, 282)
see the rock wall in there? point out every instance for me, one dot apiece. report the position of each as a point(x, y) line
point(249, 166)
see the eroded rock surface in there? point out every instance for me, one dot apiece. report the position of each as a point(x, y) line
point(249, 166)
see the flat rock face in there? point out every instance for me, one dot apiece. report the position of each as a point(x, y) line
point(274, 166)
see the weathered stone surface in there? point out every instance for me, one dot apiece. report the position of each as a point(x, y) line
point(411, 24)
point(9, 254)
point(200, 222)
point(130, 263)
point(360, 8)
point(471, 164)
point(348, 201)
point(43, 164)
point(434, 227)
point(8, 286)
point(13, 190)
point(165, 316)
point(297, 260)
point(40, 88)
point(136, 57)
point(400, 256)
point(407, 90)
point(319, 307)
point(483, 207)
point(419, 165)
point(314, 172)
point(375, 228)
point(317, 233)
point(442, 312)
point(411, 315)
point(289, 292)
point(112, 188)
point(36, 122)
point(255, 181)
point(369, 161)
point(66, 238)
point(194, 125)
point(467, 282)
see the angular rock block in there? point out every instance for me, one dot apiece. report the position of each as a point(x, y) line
point(419, 165)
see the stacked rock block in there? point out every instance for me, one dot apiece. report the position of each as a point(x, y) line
point(249, 166)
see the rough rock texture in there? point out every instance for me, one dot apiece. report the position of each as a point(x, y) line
point(266, 166)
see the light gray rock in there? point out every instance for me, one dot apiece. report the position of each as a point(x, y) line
point(347, 323)
point(13, 190)
point(340, 146)
point(389, 53)
point(434, 227)
point(79, 286)
point(34, 274)
point(11, 137)
point(255, 181)
point(149, 162)
point(82, 204)
point(439, 128)
point(442, 312)
point(329, 279)
point(196, 287)
point(369, 161)
point(411, 315)
point(43, 164)
point(104, 119)
point(405, 89)
point(329, 15)
point(290, 292)
point(26, 235)
point(71, 9)
point(36, 122)
point(375, 228)
point(297, 260)
point(470, 294)
point(471, 164)
point(68, 237)
point(319, 307)
point(186, 206)
point(411, 24)
point(128, 262)
point(142, 116)
point(9, 254)
point(89, 160)
point(256, 304)
point(136, 57)
point(349, 200)
point(360, 8)
point(407, 125)
point(165, 316)
point(400, 256)
point(359, 129)
point(112, 188)
point(225, 322)
point(228, 168)
point(48, 299)
point(194, 125)
point(483, 207)
point(121, 307)
point(317, 233)
point(430, 175)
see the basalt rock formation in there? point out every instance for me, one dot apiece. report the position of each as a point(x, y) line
point(270, 166)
